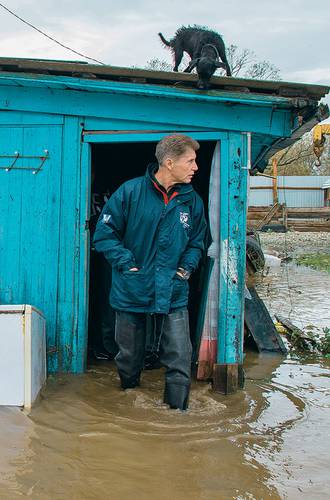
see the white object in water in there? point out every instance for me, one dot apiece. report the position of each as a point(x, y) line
point(23, 354)
point(272, 260)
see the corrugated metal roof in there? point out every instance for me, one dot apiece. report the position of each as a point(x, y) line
point(326, 185)
point(134, 75)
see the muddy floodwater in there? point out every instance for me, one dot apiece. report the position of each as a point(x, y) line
point(297, 292)
point(87, 439)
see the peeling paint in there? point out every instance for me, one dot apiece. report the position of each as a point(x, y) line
point(228, 262)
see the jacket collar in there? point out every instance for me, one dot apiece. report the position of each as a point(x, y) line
point(180, 188)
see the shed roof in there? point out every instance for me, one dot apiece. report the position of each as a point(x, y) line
point(300, 98)
point(79, 69)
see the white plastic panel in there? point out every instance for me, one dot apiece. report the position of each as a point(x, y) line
point(12, 358)
point(23, 354)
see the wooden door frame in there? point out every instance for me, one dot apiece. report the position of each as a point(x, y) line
point(234, 147)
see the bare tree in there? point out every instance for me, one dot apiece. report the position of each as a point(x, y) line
point(239, 59)
point(263, 70)
point(156, 64)
point(243, 62)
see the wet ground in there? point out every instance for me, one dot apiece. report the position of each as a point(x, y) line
point(86, 439)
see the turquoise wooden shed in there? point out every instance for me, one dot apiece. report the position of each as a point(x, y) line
point(60, 119)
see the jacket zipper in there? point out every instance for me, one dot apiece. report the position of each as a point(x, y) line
point(165, 196)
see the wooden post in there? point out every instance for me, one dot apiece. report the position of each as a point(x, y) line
point(228, 371)
point(285, 215)
point(275, 193)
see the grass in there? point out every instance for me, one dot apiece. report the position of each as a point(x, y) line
point(325, 342)
point(319, 261)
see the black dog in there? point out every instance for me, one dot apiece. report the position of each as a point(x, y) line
point(205, 48)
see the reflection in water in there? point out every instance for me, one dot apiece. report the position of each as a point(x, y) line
point(87, 439)
point(299, 293)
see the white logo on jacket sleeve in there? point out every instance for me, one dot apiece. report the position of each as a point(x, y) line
point(106, 218)
point(184, 217)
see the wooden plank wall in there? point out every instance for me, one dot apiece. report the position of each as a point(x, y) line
point(297, 219)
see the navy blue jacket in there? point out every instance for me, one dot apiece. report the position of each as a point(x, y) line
point(140, 227)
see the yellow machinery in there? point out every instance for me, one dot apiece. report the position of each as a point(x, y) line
point(319, 133)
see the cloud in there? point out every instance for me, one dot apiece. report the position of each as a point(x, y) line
point(316, 75)
point(125, 33)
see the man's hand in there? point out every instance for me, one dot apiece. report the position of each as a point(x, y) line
point(134, 269)
point(183, 273)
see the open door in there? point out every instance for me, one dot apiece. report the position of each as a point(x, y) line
point(209, 309)
point(116, 160)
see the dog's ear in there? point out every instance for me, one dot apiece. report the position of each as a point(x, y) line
point(219, 64)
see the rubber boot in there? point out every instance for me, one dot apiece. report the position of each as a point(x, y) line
point(177, 396)
point(129, 383)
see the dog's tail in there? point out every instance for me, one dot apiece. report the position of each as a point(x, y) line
point(165, 42)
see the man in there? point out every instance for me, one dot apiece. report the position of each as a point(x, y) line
point(152, 232)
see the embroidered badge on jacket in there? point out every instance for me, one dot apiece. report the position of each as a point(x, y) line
point(106, 218)
point(184, 217)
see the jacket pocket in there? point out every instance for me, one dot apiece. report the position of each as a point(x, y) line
point(131, 287)
point(180, 290)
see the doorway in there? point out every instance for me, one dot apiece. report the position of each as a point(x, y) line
point(112, 164)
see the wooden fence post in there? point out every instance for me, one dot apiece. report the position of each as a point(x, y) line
point(274, 181)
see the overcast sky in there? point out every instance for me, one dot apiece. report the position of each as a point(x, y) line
point(294, 35)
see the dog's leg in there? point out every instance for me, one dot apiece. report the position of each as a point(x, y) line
point(228, 71)
point(178, 55)
point(222, 54)
point(195, 56)
point(191, 66)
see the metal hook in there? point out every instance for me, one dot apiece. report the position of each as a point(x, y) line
point(43, 159)
point(14, 161)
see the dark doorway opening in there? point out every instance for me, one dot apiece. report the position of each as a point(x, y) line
point(113, 164)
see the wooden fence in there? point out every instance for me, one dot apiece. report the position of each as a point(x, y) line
point(298, 219)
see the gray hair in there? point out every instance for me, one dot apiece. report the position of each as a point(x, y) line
point(173, 146)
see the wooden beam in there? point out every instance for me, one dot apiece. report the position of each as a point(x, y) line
point(227, 378)
point(310, 229)
point(271, 214)
point(303, 188)
point(274, 181)
point(285, 215)
point(265, 208)
point(293, 213)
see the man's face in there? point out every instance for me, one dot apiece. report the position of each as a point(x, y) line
point(183, 167)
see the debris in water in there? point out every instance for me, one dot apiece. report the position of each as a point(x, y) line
point(304, 340)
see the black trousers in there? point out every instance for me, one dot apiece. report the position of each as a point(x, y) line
point(173, 343)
